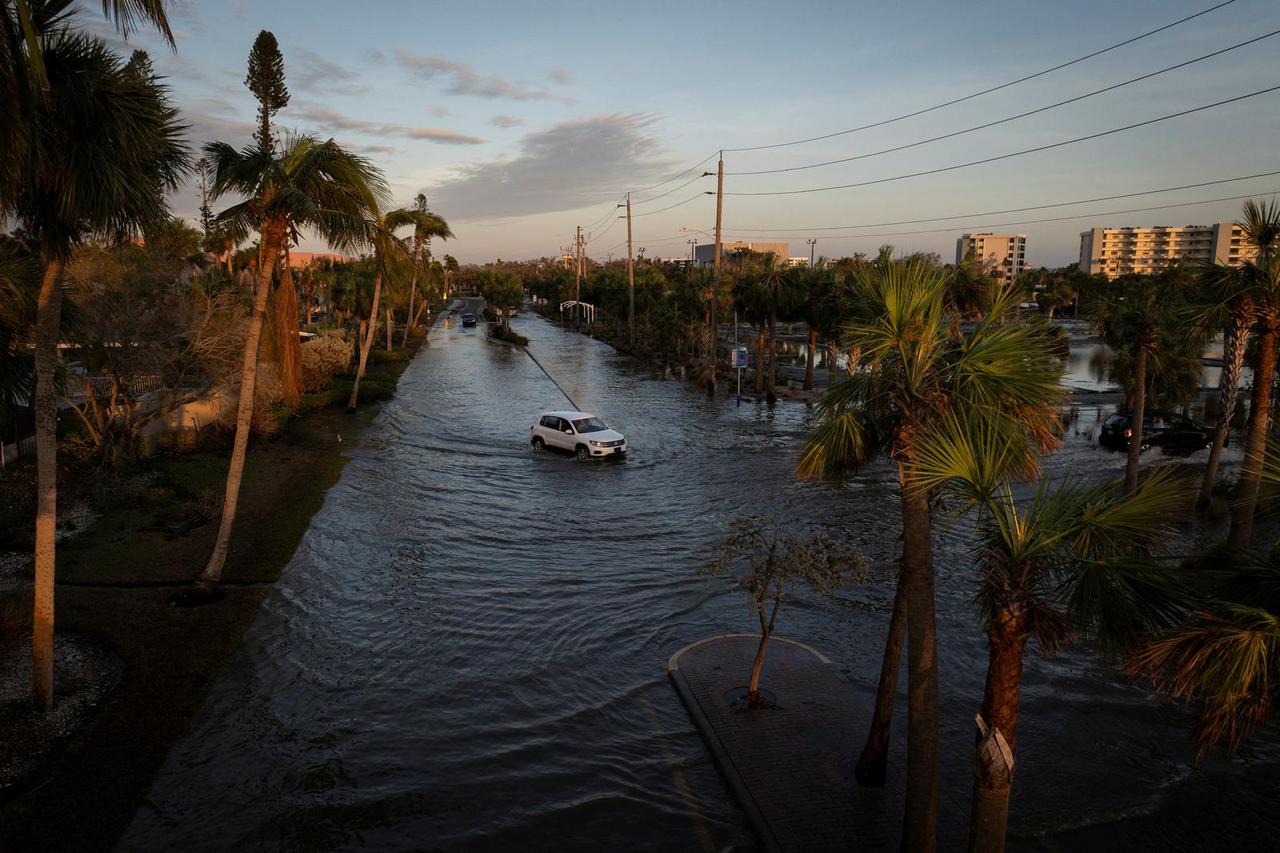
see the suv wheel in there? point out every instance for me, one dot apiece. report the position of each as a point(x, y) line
point(583, 453)
point(538, 443)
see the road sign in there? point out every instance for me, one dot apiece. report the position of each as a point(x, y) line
point(738, 357)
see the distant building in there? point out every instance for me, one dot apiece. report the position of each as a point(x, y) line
point(798, 262)
point(678, 263)
point(298, 260)
point(1004, 254)
point(1114, 252)
point(706, 253)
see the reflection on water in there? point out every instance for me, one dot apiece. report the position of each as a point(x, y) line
point(467, 650)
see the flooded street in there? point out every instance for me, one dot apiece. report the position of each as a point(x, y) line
point(468, 650)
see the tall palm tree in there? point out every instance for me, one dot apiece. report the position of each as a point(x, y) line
point(752, 300)
point(1231, 305)
point(1136, 316)
point(100, 148)
point(914, 369)
point(308, 184)
point(1261, 223)
point(1074, 560)
point(423, 231)
point(390, 253)
point(817, 285)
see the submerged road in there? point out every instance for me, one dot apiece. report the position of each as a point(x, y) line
point(467, 650)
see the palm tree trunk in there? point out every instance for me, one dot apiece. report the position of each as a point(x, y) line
point(408, 312)
point(920, 817)
point(1234, 343)
point(1139, 412)
point(993, 768)
point(390, 324)
point(808, 363)
point(422, 304)
point(271, 238)
point(773, 357)
point(366, 344)
point(288, 346)
point(873, 763)
point(1255, 445)
point(833, 351)
point(48, 326)
point(760, 362)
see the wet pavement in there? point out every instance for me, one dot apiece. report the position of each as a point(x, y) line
point(468, 650)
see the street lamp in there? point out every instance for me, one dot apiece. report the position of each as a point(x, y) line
point(812, 243)
point(692, 241)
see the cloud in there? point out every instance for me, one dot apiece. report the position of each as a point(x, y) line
point(561, 76)
point(311, 72)
point(465, 80)
point(506, 121)
point(373, 56)
point(567, 166)
point(374, 149)
point(331, 120)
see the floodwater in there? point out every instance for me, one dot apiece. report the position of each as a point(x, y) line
point(468, 650)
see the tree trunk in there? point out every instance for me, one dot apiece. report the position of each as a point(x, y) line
point(772, 382)
point(389, 329)
point(833, 352)
point(1234, 343)
point(271, 238)
point(872, 767)
point(761, 366)
point(1139, 412)
point(920, 817)
point(311, 298)
point(288, 346)
point(808, 363)
point(408, 312)
point(753, 686)
point(48, 327)
point(1255, 446)
point(418, 316)
point(366, 344)
point(993, 767)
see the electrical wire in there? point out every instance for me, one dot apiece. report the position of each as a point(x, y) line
point(998, 157)
point(1013, 209)
point(1007, 119)
point(987, 91)
point(605, 231)
point(1036, 221)
point(690, 169)
point(670, 191)
point(672, 207)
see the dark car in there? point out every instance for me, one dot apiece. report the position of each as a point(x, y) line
point(1167, 431)
point(468, 319)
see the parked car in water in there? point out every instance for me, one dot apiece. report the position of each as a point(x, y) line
point(1169, 432)
point(468, 319)
point(579, 433)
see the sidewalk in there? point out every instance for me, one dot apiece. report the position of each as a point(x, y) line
point(789, 767)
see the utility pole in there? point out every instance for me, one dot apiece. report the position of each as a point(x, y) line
point(715, 277)
point(692, 242)
point(812, 245)
point(577, 275)
point(631, 281)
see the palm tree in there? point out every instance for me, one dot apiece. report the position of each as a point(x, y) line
point(817, 284)
point(1075, 560)
point(389, 253)
point(308, 184)
point(100, 146)
point(423, 231)
point(916, 366)
point(1261, 223)
point(1135, 317)
point(752, 299)
point(1232, 305)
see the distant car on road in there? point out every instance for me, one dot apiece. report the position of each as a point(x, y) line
point(468, 319)
point(1169, 432)
point(579, 433)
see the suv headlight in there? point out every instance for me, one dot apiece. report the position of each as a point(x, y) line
point(597, 443)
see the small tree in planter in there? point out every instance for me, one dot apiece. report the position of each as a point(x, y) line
point(768, 565)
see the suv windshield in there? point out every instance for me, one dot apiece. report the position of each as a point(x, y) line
point(589, 425)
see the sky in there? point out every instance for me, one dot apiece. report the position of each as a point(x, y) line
point(521, 121)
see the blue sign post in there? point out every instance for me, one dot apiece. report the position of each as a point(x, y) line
point(738, 360)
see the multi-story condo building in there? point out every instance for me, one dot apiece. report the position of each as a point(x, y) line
point(1004, 254)
point(1114, 252)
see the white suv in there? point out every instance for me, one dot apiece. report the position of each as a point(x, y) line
point(580, 433)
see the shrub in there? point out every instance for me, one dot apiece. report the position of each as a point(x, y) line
point(382, 356)
point(506, 333)
point(324, 358)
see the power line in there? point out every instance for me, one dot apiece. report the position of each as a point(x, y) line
point(697, 165)
point(1015, 209)
point(672, 207)
point(599, 221)
point(1008, 118)
point(1048, 147)
point(673, 189)
point(1046, 219)
point(985, 91)
point(605, 231)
